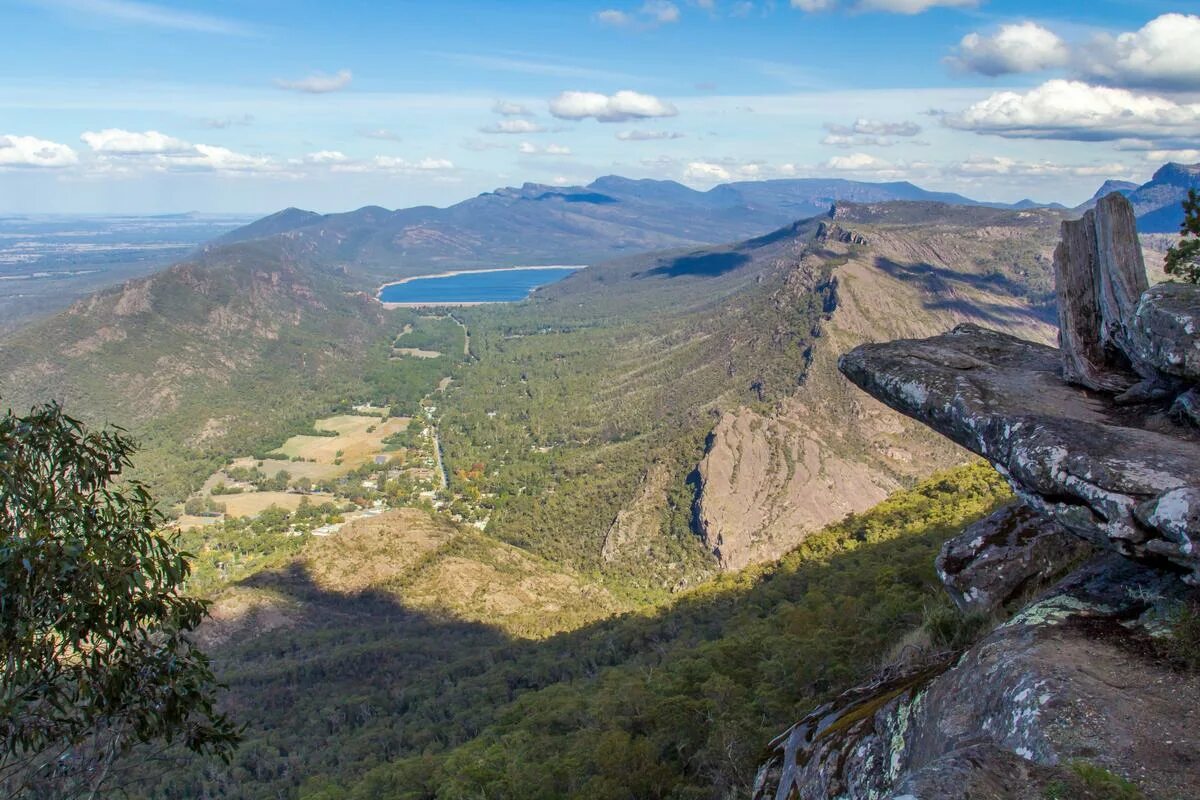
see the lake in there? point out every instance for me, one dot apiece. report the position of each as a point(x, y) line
point(474, 286)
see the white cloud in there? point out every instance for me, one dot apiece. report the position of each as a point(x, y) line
point(814, 5)
point(1023, 47)
point(661, 11)
point(705, 172)
point(531, 149)
point(516, 126)
point(611, 16)
point(508, 109)
point(1186, 156)
point(318, 82)
point(874, 127)
point(842, 140)
point(1076, 111)
point(400, 166)
point(652, 14)
point(647, 136)
point(119, 150)
point(857, 162)
point(985, 166)
point(155, 16)
point(114, 141)
point(326, 157)
point(1161, 55)
point(620, 107)
point(30, 151)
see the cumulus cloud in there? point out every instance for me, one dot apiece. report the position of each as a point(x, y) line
point(620, 107)
point(652, 14)
point(318, 82)
point(647, 136)
point(30, 151)
point(326, 157)
point(508, 109)
point(1161, 55)
point(531, 149)
point(1024, 47)
point(705, 171)
point(515, 126)
point(1077, 111)
point(151, 149)
point(814, 5)
point(115, 141)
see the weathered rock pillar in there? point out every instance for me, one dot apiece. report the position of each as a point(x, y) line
point(1099, 275)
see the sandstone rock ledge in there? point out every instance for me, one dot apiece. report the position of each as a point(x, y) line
point(1123, 477)
point(1073, 676)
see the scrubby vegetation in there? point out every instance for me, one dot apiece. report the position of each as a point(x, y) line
point(372, 698)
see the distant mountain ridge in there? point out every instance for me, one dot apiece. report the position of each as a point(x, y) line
point(543, 224)
point(1158, 202)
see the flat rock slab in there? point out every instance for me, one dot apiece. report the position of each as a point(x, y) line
point(1125, 478)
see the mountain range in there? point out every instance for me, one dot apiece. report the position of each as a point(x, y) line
point(613, 216)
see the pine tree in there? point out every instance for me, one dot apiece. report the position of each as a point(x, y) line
point(1183, 259)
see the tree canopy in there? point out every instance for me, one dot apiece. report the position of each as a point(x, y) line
point(1183, 259)
point(94, 647)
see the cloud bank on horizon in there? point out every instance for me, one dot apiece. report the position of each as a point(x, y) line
point(1002, 100)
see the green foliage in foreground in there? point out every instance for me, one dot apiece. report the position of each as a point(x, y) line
point(1183, 259)
point(94, 651)
point(375, 700)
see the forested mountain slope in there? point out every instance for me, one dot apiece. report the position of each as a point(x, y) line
point(225, 352)
point(641, 402)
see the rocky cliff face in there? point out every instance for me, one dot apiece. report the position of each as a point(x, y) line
point(1110, 477)
point(773, 475)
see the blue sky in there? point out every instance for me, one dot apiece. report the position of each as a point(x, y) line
point(116, 105)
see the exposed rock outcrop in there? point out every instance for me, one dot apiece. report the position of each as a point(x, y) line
point(1119, 477)
point(1074, 676)
point(991, 562)
point(1099, 274)
point(1089, 438)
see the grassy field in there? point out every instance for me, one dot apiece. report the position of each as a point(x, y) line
point(359, 439)
point(249, 504)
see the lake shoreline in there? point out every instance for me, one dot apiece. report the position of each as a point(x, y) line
point(456, 303)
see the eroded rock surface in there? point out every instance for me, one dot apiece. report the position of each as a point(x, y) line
point(1074, 676)
point(1122, 478)
point(992, 561)
point(1165, 330)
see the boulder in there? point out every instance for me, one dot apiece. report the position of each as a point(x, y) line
point(1164, 332)
point(992, 561)
point(1075, 676)
point(1111, 474)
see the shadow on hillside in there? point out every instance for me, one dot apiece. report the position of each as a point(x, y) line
point(941, 281)
point(706, 265)
point(365, 679)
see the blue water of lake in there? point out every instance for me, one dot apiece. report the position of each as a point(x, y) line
point(492, 286)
